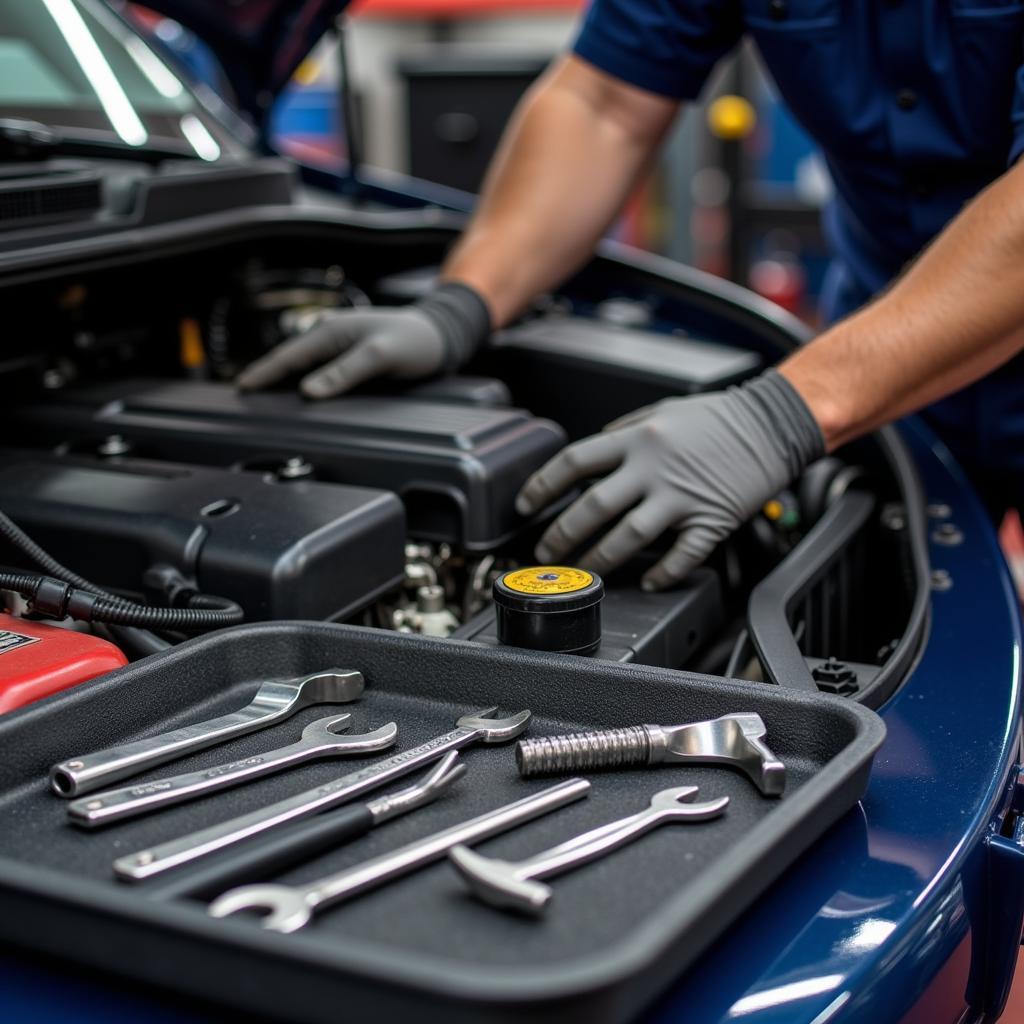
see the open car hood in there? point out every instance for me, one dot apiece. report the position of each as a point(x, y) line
point(259, 43)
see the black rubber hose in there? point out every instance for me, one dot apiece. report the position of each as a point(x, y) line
point(62, 599)
point(41, 558)
point(190, 620)
point(204, 611)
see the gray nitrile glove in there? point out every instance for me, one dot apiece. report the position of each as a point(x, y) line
point(701, 465)
point(438, 333)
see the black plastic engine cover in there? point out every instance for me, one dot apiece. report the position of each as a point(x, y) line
point(456, 467)
point(296, 550)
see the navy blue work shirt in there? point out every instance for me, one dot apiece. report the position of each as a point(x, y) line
point(917, 105)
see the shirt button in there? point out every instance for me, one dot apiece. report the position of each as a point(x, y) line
point(778, 9)
point(906, 99)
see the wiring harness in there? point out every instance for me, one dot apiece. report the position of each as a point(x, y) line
point(59, 593)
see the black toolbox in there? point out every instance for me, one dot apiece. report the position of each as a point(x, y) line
point(618, 932)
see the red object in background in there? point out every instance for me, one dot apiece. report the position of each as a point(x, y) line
point(37, 660)
point(781, 279)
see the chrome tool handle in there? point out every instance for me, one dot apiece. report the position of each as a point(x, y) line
point(583, 751)
point(116, 805)
point(590, 845)
point(165, 856)
point(273, 701)
point(381, 869)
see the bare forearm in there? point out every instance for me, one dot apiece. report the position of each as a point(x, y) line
point(569, 159)
point(957, 314)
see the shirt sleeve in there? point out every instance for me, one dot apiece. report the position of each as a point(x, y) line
point(664, 46)
point(1017, 117)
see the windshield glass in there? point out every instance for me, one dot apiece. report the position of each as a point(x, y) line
point(75, 66)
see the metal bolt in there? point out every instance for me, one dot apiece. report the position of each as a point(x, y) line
point(294, 468)
point(894, 517)
point(112, 446)
point(939, 510)
point(76, 764)
point(941, 580)
point(948, 535)
point(430, 599)
point(145, 858)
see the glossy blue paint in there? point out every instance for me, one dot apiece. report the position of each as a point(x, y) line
point(884, 919)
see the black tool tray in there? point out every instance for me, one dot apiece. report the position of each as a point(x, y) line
point(617, 932)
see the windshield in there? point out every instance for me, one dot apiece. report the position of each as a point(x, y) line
point(75, 66)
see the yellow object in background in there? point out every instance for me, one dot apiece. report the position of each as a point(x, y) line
point(731, 117)
point(192, 353)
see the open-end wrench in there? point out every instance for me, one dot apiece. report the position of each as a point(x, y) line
point(473, 728)
point(736, 740)
point(274, 701)
point(319, 739)
point(514, 885)
point(290, 907)
point(301, 841)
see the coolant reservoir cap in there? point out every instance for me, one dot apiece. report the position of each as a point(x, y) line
point(549, 608)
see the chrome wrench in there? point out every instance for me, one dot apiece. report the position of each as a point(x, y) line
point(514, 885)
point(290, 907)
point(472, 728)
point(319, 739)
point(274, 701)
point(303, 840)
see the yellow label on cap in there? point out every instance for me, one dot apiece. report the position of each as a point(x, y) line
point(547, 579)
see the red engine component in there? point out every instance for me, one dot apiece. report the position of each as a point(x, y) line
point(37, 660)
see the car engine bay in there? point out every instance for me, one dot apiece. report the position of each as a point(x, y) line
point(131, 458)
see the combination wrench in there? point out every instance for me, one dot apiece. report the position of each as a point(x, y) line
point(287, 908)
point(301, 841)
point(320, 739)
point(515, 885)
point(473, 728)
point(274, 702)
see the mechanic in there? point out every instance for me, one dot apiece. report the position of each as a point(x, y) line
point(919, 109)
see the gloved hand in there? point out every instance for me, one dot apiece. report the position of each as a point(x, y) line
point(701, 465)
point(438, 333)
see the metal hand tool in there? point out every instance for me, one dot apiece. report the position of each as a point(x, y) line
point(274, 701)
point(319, 739)
point(514, 885)
point(473, 728)
point(736, 740)
point(303, 840)
point(290, 907)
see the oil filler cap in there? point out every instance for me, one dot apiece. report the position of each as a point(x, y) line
point(549, 608)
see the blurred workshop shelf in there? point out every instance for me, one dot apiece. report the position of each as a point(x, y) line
point(438, 9)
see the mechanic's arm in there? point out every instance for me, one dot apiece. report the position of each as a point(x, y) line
point(956, 315)
point(577, 144)
point(705, 465)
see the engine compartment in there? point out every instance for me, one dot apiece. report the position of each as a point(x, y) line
point(130, 454)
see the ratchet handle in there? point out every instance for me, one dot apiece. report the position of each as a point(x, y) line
point(266, 856)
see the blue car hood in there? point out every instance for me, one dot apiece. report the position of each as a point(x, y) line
point(259, 43)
